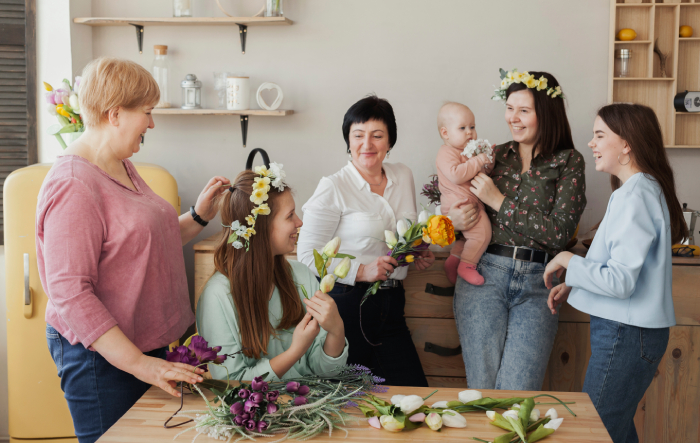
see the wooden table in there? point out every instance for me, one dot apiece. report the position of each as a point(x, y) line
point(144, 421)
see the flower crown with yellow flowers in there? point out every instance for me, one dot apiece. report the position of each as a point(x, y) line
point(529, 80)
point(274, 176)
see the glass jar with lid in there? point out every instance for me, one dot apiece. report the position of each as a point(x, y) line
point(622, 62)
point(161, 73)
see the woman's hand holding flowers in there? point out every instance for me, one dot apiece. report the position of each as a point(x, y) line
point(557, 296)
point(379, 269)
point(165, 374)
point(484, 188)
point(324, 310)
point(424, 260)
point(304, 334)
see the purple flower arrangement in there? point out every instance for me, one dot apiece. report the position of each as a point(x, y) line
point(432, 190)
point(251, 403)
point(197, 353)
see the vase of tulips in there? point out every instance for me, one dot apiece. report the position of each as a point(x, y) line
point(63, 103)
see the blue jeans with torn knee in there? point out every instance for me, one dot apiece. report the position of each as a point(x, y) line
point(505, 327)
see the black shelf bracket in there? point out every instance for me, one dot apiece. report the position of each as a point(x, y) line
point(244, 128)
point(243, 31)
point(139, 36)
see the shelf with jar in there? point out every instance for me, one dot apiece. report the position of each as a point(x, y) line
point(655, 55)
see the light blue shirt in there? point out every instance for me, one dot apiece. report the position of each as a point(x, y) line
point(626, 275)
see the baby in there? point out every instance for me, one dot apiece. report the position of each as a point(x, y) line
point(455, 172)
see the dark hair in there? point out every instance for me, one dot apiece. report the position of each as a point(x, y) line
point(253, 274)
point(553, 130)
point(370, 108)
point(639, 127)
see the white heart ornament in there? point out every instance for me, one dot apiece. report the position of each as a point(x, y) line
point(278, 101)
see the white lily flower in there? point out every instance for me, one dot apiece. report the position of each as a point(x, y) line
point(410, 403)
point(434, 421)
point(552, 413)
point(390, 239)
point(396, 399)
point(534, 415)
point(390, 423)
point(423, 217)
point(439, 404)
point(491, 415)
point(554, 424)
point(469, 395)
point(456, 420)
point(401, 227)
point(511, 413)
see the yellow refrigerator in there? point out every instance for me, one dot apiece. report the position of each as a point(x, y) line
point(37, 409)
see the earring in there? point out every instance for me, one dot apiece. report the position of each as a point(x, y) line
point(628, 161)
point(388, 153)
point(350, 156)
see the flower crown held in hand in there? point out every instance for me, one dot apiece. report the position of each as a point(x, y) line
point(274, 176)
point(510, 77)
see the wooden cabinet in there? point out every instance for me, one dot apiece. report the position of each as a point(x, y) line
point(670, 411)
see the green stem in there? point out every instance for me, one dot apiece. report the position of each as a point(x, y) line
point(430, 395)
point(555, 403)
point(478, 439)
point(60, 140)
point(560, 402)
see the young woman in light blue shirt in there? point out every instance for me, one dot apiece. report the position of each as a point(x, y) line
point(624, 282)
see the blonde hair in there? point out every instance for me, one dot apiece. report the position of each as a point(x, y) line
point(445, 112)
point(110, 82)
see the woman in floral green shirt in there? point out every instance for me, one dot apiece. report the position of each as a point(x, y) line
point(534, 199)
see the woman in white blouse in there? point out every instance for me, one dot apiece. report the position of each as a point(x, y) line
point(357, 204)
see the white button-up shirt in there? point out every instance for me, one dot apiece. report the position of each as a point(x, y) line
point(344, 206)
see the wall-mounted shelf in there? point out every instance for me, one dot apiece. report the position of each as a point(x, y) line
point(657, 23)
point(244, 115)
point(140, 22)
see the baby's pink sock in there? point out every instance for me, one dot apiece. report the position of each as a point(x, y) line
point(451, 265)
point(469, 274)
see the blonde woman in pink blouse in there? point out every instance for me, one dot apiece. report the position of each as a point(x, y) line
point(110, 257)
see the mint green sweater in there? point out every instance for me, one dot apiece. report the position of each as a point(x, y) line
point(218, 323)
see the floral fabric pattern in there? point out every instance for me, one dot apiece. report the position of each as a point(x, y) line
point(544, 204)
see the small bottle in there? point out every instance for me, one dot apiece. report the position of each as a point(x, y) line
point(161, 72)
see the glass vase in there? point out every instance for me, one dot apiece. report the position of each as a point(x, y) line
point(273, 8)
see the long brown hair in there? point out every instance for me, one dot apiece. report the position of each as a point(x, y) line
point(253, 274)
point(639, 127)
point(553, 129)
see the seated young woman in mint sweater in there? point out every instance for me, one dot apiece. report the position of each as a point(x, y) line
point(253, 302)
point(624, 282)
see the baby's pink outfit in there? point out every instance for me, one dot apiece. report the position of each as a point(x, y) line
point(455, 172)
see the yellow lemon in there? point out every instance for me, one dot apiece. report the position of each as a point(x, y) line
point(686, 31)
point(626, 34)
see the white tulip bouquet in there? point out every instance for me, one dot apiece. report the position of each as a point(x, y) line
point(323, 260)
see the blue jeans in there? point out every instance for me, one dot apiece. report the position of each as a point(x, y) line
point(395, 357)
point(623, 362)
point(98, 394)
point(505, 327)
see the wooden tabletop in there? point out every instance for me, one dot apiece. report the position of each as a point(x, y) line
point(144, 421)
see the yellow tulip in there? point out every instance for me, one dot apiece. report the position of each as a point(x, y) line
point(48, 87)
point(62, 111)
point(409, 259)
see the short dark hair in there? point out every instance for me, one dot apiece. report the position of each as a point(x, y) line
point(370, 108)
point(553, 130)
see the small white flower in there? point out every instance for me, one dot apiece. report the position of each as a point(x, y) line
point(410, 403)
point(453, 419)
point(434, 421)
point(237, 244)
point(511, 413)
point(552, 413)
point(554, 424)
point(439, 404)
point(279, 175)
point(516, 405)
point(396, 399)
point(535, 415)
point(469, 395)
point(491, 415)
point(422, 217)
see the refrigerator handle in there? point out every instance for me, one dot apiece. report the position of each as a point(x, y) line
point(27, 290)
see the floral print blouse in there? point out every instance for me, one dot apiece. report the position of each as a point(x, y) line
point(543, 205)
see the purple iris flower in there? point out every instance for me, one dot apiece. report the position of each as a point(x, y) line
point(239, 420)
point(273, 395)
point(303, 390)
point(250, 406)
point(292, 386)
point(237, 408)
point(257, 397)
point(244, 393)
point(271, 408)
point(262, 426)
point(298, 401)
point(251, 425)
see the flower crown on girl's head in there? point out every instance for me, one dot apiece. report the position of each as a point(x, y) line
point(529, 80)
point(242, 232)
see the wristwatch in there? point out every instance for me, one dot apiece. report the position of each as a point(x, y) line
point(197, 218)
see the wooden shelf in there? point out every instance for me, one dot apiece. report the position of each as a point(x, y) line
point(182, 21)
point(632, 42)
point(689, 39)
point(683, 147)
point(688, 113)
point(255, 112)
point(646, 79)
point(634, 5)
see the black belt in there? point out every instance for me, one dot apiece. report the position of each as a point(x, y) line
point(520, 253)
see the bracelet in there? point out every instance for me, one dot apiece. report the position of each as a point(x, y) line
point(197, 218)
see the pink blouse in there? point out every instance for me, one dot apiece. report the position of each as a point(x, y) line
point(108, 255)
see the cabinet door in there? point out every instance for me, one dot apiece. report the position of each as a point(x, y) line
point(437, 302)
point(438, 346)
point(569, 358)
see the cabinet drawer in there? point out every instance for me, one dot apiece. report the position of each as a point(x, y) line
point(422, 304)
point(431, 335)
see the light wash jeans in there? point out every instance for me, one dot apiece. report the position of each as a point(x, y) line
point(505, 327)
point(623, 362)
